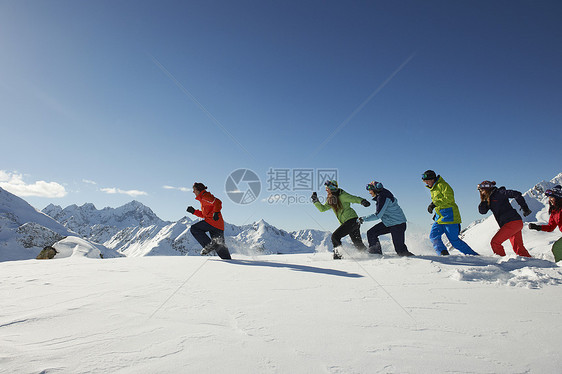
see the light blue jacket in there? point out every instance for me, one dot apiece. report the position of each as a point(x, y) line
point(388, 210)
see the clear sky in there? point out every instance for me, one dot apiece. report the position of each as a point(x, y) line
point(110, 101)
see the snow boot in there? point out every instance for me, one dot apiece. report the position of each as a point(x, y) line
point(375, 249)
point(405, 254)
point(337, 254)
point(208, 249)
point(223, 253)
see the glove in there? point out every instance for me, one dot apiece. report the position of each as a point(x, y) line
point(314, 197)
point(534, 226)
point(360, 220)
point(190, 209)
point(430, 208)
point(365, 203)
point(215, 216)
point(526, 212)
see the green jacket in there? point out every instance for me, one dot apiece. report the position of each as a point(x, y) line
point(446, 210)
point(346, 212)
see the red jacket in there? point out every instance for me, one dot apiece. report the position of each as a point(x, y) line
point(555, 220)
point(210, 205)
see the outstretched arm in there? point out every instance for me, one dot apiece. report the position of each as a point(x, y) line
point(375, 216)
point(349, 198)
point(551, 224)
point(512, 194)
point(322, 207)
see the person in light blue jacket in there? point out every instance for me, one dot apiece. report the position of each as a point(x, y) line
point(392, 217)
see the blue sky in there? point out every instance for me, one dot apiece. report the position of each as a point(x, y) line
point(113, 100)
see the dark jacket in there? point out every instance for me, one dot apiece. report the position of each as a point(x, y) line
point(501, 207)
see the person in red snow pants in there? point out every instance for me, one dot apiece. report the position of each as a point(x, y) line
point(511, 231)
point(510, 222)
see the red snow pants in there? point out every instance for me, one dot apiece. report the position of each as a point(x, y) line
point(511, 231)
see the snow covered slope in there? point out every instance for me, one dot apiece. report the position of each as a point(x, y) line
point(73, 246)
point(24, 231)
point(479, 234)
point(300, 313)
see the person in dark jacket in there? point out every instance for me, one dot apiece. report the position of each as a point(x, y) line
point(510, 222)
point(340, 202)
point(555, 210)
point(393, 220)
point(212, 223)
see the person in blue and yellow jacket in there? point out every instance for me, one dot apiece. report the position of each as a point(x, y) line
point(447, 216)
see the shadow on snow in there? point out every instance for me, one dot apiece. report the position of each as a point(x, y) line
point(304, 268)
point(506, 264)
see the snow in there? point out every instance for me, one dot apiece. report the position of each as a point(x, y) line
point(73, 246)
point(298, 313)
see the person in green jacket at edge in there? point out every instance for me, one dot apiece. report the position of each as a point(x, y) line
point(340, 202)
point(447, 216)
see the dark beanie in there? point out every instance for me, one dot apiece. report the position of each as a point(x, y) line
point(428, 175)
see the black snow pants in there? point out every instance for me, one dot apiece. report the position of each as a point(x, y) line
point(351, 228)
point(215, 242)
point(397, 232)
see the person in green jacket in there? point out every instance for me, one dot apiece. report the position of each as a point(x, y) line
point(447, 216)
point(340, 202)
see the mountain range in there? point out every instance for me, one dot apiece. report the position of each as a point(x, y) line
point(135, 230)
point(132, 230)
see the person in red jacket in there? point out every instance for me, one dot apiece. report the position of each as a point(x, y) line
point(212, 223)
point(555, 220)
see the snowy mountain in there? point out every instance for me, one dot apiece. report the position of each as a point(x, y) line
point(321, 240)
point(24, 231)
point(102, 225)
point(263, 238)
point(479, 233)
point(134, 230)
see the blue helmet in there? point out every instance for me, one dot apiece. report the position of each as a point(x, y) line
point(375, 186)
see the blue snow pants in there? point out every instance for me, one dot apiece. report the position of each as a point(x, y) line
point(452, 231)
